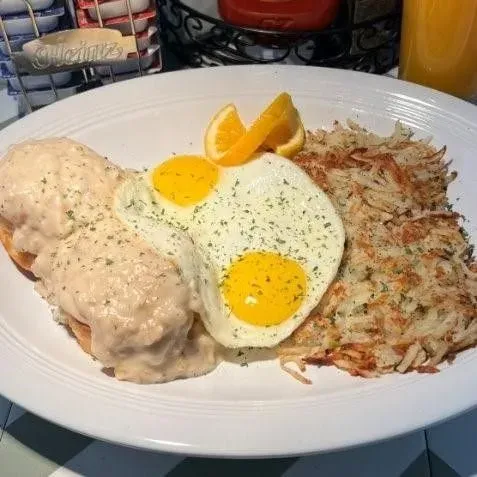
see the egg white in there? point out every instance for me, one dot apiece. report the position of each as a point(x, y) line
point(268, 204)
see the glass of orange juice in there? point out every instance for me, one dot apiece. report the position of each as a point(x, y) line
point(439, 45)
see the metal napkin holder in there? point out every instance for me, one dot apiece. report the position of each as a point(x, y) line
point(73, 49)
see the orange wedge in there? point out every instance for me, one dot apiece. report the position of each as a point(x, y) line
point(250, 142)
point(223, 131)
point(288, 136)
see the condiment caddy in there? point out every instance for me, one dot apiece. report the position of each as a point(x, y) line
point(22, 22)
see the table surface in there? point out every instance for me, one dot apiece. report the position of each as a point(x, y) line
point(31, 446)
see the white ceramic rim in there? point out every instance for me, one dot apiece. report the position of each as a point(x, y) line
point(251, 428)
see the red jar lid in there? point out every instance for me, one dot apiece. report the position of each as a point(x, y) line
point(280, 14)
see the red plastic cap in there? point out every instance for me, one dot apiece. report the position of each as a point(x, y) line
point(280, 14)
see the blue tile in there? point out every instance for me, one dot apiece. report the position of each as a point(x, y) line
point(5, 407)
point(454, 446)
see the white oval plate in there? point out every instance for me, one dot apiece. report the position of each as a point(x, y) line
point(235, 411)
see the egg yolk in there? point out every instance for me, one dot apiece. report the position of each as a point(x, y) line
point(185, 180)
point(264, 288)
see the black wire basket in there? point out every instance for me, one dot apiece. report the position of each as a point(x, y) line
point(355, 40)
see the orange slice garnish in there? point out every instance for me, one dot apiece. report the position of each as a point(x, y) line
point(288, 136)
point(223, 131)
point(243, 149)
point(278, 128)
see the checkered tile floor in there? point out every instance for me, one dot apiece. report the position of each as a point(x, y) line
point(30, 446)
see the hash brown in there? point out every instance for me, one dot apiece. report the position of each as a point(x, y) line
point(405, 297)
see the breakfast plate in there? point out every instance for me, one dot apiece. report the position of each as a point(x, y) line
point(241, 409)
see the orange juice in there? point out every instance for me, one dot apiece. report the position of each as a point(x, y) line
point(439, 45)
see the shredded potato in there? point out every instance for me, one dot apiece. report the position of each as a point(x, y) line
point(405, 297)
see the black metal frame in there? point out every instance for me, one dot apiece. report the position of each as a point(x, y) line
point(197, 40)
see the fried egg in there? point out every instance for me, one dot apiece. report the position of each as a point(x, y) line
point(259, 243)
